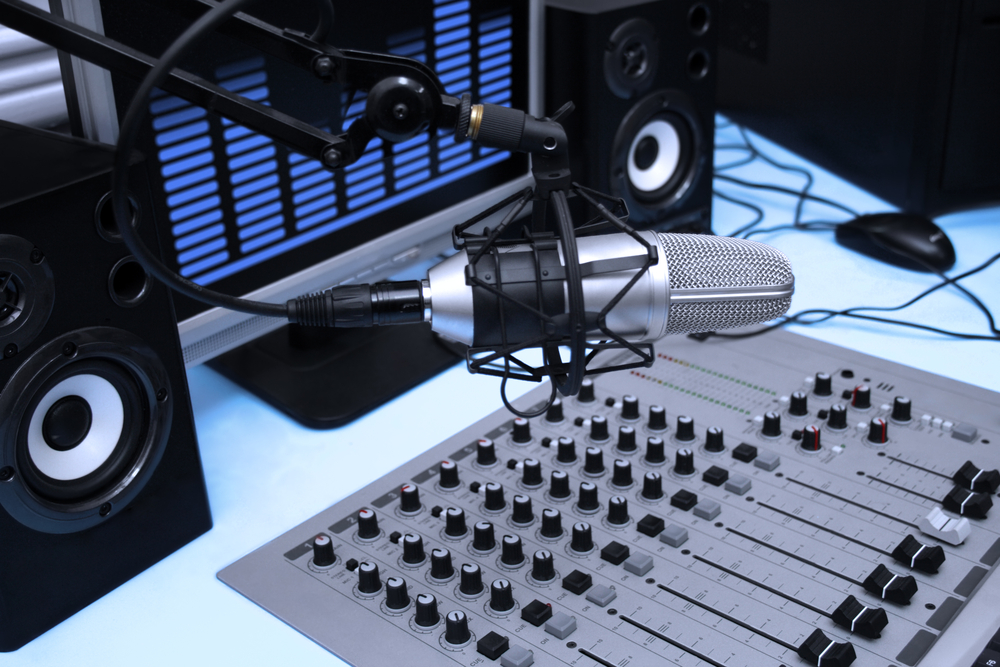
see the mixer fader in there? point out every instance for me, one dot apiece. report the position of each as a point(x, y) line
point(762, 502)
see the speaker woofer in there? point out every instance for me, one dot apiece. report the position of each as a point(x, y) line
point(86, 422)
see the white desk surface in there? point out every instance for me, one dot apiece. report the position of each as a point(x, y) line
point(265, 473)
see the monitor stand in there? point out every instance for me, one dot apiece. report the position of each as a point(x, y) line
point(326, 378)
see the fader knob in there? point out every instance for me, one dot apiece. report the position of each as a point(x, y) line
point(531, 475)
point(368, 579)
point(494, 501)
point(888, 586)
point(657, 418)
point(522, 510)
point(483, 538)
point(486, 452)
point(367, 525)
point(861, 398)
point(901, 409)
point(409, 499)
point(810, 439)
point(823, 385)
point(454, 522)
point(685, 429)
point(501, 596)
point(599, 428)
point(449, 475)
point(818, 649)
point(652, 486)
point(559, 485)
point(427, 611)
point(554, 413)
point(413, 549)
point(878, 431)
point(441, 567)
point(471, 582)
point(798, 404)
point(521, 433)
point(511, 551)
point(975, 479)
point(618, 511)
point(838, 418)
point(594, 461)
point(566, 450)
point(551, 523)
point(396, 596)
point(323, 555)
point(684, 462)
point(630, 407)
point(542, 566)
point(456, 628)
point(714, 440)
point(655, 453)
point(626, 439)
point(587, 502)
point(772, 425)
point(622, 475)
point(583, 537)
point(586, 394)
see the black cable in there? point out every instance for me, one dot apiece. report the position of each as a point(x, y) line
point(739, 202)
point(803, 193)
point(787, 191)
point(325, 21)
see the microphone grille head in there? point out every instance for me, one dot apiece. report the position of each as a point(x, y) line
point(717, 282)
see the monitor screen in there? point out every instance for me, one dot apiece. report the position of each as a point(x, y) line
point(246, 216)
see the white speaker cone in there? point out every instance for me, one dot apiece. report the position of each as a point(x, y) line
point(108, 419)
point(668, 156)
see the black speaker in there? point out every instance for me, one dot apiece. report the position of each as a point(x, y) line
point(100, 476)
point(642, 77)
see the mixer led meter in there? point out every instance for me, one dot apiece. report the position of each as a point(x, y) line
point(720, 508)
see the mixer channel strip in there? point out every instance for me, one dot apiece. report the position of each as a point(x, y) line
point(689, 514)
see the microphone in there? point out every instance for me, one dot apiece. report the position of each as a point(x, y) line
point(699, 283)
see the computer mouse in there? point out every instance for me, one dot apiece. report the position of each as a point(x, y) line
point(907, 240)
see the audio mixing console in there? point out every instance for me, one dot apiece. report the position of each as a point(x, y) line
point(762, 502)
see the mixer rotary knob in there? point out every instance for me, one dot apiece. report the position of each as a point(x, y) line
point(626, 439)
point(521, 432)
point(901, 409)
point(566, 450)
point(878, 431)
point(630, 407)
point(823, 385)
point(799, 404)
point(685, 429)
point(551, 523)
point(594, 461)
point(511, 551)
point(618, 511)
point(657, 418)
point(368, 525)
point(368, 579)
point(471, 582)
point(413, 549)
point(655, 453)
point(587, 502)
point(599, 428)
point(652, 486)
point(861, 398)
point(323, 555)
point(454, 522)
point(559, 485)
point(494, 497)
point(441, 567)
point(427, 611)
point(583, 538)
point(684, 462)
point(396, 596)
point(622, 475)
point(772, 425)
point(586, 394)
point(483, 538)
point(531, 474)
point(554, 413)
point(838, 418)
point(810, 439)
point(456, 628)
point(409, 499)
point(449, 475)
point(501, 596)
point(714, 441)
point(542, 566)
point(486, 452)
point(522, 510)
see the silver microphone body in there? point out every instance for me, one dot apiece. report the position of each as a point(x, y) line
point(699, 283)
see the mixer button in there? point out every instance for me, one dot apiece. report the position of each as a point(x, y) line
point(707, 509)
point(767, 460)
point(856, 617)
point(638, 564)
point(684, 500)
point(650, 525)
point(674, 535)
point(577, 582)
point(601, 595)
point(967, 503)
point(715, 476)
point(615, 553)
point(964, 432)
point(818, 649)
point(888, 586)
point(561, 625)
point(536, 612)
point(493, 645)
point(738, 484)
point(745, 452)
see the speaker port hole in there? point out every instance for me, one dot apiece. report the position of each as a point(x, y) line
point(698, 64)
point(129, 283)
point(699, 19)
point(107, 225)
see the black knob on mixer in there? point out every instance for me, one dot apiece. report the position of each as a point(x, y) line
point(542, 566)
point(630, 407)
point(323, 555)
point(657, 418)
point(594, 461)
point(714, 440)
point(409, 499)
point(685, 428)
point(655, 453)
point(531, 474)
point(861, 399)
point(494, 497)
point(368, 580)
point(511, 551)
point(599, 428)
point(810, 439)
point(823, 384)
point(456, 628)
point(501, 596)
point(367, 524)
point(583, 538)
point(483, 538)
point(566, 450)
point(799, 404)
point(587, 502)
point(878, 431)
point(427, 611)
point(471, 581)
point(901, 409)
point(449, 475)
point(522, 510)
point(554, 413)
point(838, 418)
point(551, 523)
point(454, 522)
point(626, 439)
point(559, 485)
point(396, 596)
point(586, 394)
point(413, 549)
point(772, 424)
point(521, 432)
point(618, 511)
point(441, 567)
point(486, 452)
point(684, 462)
point(652, 486)
point(622, 475)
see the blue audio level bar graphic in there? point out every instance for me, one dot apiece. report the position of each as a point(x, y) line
point(240, 200)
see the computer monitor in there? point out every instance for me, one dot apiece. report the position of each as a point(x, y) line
point(245, 216)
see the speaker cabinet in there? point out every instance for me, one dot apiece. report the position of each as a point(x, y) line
point(642, 77)
point(99, 470)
